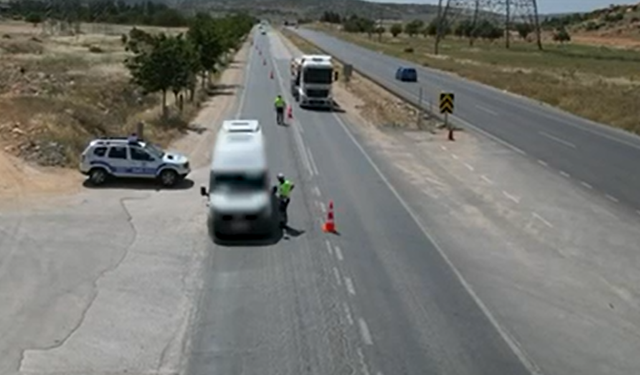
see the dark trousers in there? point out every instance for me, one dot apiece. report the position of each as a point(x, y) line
point(280, 115)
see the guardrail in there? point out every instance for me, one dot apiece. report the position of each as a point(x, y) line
point(420, 107)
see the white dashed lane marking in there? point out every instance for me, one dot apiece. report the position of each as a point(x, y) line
point(350, 287)
point(364, 331)
point(339, 253)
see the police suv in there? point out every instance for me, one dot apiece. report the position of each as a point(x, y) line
point(123, 157)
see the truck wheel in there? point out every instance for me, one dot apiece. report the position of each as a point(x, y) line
point(98, 176)
point(168, 177)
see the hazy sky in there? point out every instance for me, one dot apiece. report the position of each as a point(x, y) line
point(545, 6)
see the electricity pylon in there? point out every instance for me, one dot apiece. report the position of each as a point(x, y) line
point(504, 12)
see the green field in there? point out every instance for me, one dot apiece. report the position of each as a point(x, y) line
point(599, 83)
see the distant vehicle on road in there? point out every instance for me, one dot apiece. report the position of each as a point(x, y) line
point(130, 157)
point(405, 74)
point(240, 200)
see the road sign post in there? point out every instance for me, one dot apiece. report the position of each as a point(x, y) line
point(420, 111)
point(446, 108)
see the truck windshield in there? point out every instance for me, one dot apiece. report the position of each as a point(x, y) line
point(318, 76)
point(237, 182)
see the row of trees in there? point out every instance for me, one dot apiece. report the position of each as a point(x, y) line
point(483, 29)
point(103, 11)
point(166, 63)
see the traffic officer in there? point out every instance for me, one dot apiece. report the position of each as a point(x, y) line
point(284, 193)
point(280, 105)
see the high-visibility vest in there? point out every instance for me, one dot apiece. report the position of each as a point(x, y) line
point(285, 188)
point(280, 102)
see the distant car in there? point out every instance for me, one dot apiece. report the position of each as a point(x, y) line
point(407, 74)
point(130, 157)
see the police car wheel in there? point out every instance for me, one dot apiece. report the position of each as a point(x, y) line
point(168, 177)
point(98, 176)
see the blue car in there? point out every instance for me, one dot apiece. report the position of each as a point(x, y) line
point(407, 74)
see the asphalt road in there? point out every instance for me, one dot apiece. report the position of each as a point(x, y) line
point(379, 298)
point(600, 156)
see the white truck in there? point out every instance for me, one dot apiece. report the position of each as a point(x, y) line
point(312, 77)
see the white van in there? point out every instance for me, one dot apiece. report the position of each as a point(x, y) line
point(240, 197)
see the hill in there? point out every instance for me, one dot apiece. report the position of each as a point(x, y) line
point(312, 9)
point(615, 23)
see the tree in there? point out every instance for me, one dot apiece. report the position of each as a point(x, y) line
point(380, 30)
point(432, 28)
point(413, 28)
point(34, 18)
point(524, 29)
point(153, 70)
point(464, 28)
point(562, 35)
point(330, 17)
point(396, 29)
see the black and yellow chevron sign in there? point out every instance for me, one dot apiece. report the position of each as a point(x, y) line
point(446, 102)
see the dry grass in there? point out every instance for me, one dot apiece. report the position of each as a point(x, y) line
point(377, 105)
point(596, 82)
point(58, 91)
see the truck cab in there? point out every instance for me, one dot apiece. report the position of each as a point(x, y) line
point(312, 78)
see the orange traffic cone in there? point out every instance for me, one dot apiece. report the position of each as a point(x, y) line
point(289, 113)
point(330, 225)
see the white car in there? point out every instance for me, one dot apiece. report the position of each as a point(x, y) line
point(123, 157)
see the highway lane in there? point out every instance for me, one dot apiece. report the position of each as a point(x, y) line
point(377, 298)
point(600, 156)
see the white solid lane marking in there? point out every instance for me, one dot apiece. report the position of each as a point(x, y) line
point(586, 185)
point(537, 216)
point(543, 163)
point(486, 110)
point(329, 247)
point(486, 179)
point(364, 331)
point(513, 344)
point(559, 140)
point(565, 174)
point(313, 162)
point(339, 253)
point(469, 167)
point(337, 275)
point(347, 311)
point(247, 72)
point(611, 198)
point(350, 287)
point(454, 156)
point(511, 197)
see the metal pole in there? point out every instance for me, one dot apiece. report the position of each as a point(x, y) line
point(420, 109)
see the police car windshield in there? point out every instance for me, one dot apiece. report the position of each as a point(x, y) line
point(237, 182)
point(153, 150)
